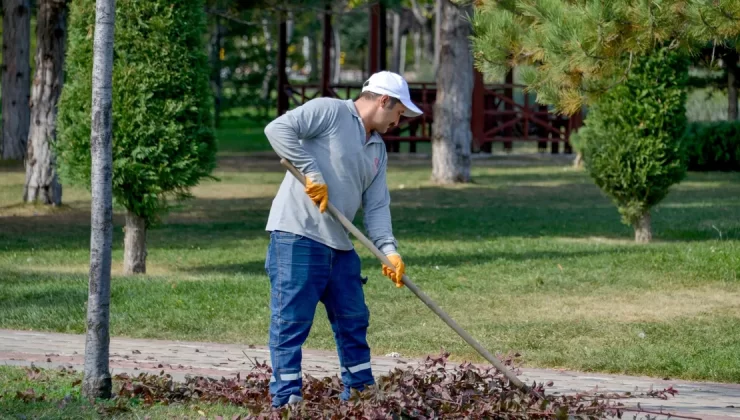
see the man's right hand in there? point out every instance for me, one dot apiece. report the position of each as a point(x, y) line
point(317, 191)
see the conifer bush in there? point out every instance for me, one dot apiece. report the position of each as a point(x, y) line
point(163, 140)
point(632, 139)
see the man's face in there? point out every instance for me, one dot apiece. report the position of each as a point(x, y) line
point(387, 117)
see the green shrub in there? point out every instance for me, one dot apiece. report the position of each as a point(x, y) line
point(163, 141)
point(632, 137)
point(713, 146)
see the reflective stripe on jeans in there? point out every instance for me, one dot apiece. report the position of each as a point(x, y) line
point(356, 368)
point(286, 377)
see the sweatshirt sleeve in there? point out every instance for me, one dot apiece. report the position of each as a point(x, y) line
point(376, 202)
point(305, 122)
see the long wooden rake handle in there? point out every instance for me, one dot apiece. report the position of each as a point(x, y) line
point(433, 306)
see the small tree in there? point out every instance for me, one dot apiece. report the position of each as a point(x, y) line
point(163, 141)
point(631, 141)
point(97, 381)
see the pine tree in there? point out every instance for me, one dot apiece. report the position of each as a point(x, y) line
point(572, 52)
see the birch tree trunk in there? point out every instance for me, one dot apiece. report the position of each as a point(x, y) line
point(452, 137)
point(337, 73)
point(402, 58)
point(289, 27)
point(437, 42)
point(417, 50)
point(97, 379)
point(42, 183)
point(396, 43)
point(216, 80)
point(313, 52)
point(16, 74)
point(270, 71)
point(732, 83)
point(134, 245)
point(423, 25)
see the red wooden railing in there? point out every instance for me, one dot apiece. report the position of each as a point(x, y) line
point(503, 119)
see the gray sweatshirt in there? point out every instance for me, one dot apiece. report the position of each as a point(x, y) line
point(325, 138)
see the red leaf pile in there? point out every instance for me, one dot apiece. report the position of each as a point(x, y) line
point(426, 392)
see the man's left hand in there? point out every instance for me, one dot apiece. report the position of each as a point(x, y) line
point(400, 269)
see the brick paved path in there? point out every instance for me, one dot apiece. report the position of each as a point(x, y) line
point(179, 358)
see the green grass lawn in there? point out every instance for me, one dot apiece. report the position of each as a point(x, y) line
point(531, 259)
point(239, 133)
point(62, 399)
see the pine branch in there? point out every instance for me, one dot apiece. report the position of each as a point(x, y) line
point(575, 48)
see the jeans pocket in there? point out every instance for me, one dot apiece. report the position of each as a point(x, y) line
point(357, 267)
point(286, 237)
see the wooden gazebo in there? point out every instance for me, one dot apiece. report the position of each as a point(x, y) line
point(496, 116)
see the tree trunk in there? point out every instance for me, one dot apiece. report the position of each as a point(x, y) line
point(16, 76)
point(452, 137)
point(337, 50)
point(732, 83)
point(396, 43)
point(643, 231)
point(423, 24)
point(42, 183)
point(402, 58)
point(134, 245)
point(578, 161)
point(216, 72)
point(433, 45)
point(417, 50)
point(97, 379)
point(289, 27)
point(313, 52)
point(270, 71)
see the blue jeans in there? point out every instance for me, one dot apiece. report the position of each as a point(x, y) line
point(303, 273)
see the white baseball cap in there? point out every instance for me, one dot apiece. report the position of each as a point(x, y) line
point(392, 84)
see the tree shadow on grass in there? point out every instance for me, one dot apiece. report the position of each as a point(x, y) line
point(49, 409)
point(556, 211)
point(429, 260)
point(249, 268)
point(513, 205)
point(42, 290)
point(478, 258)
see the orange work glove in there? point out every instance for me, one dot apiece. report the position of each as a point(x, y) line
point(317, 191)
point(400, 269)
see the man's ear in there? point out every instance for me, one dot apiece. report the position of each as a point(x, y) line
point(385, 101)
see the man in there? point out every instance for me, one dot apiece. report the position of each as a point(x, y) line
point(336, 144)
